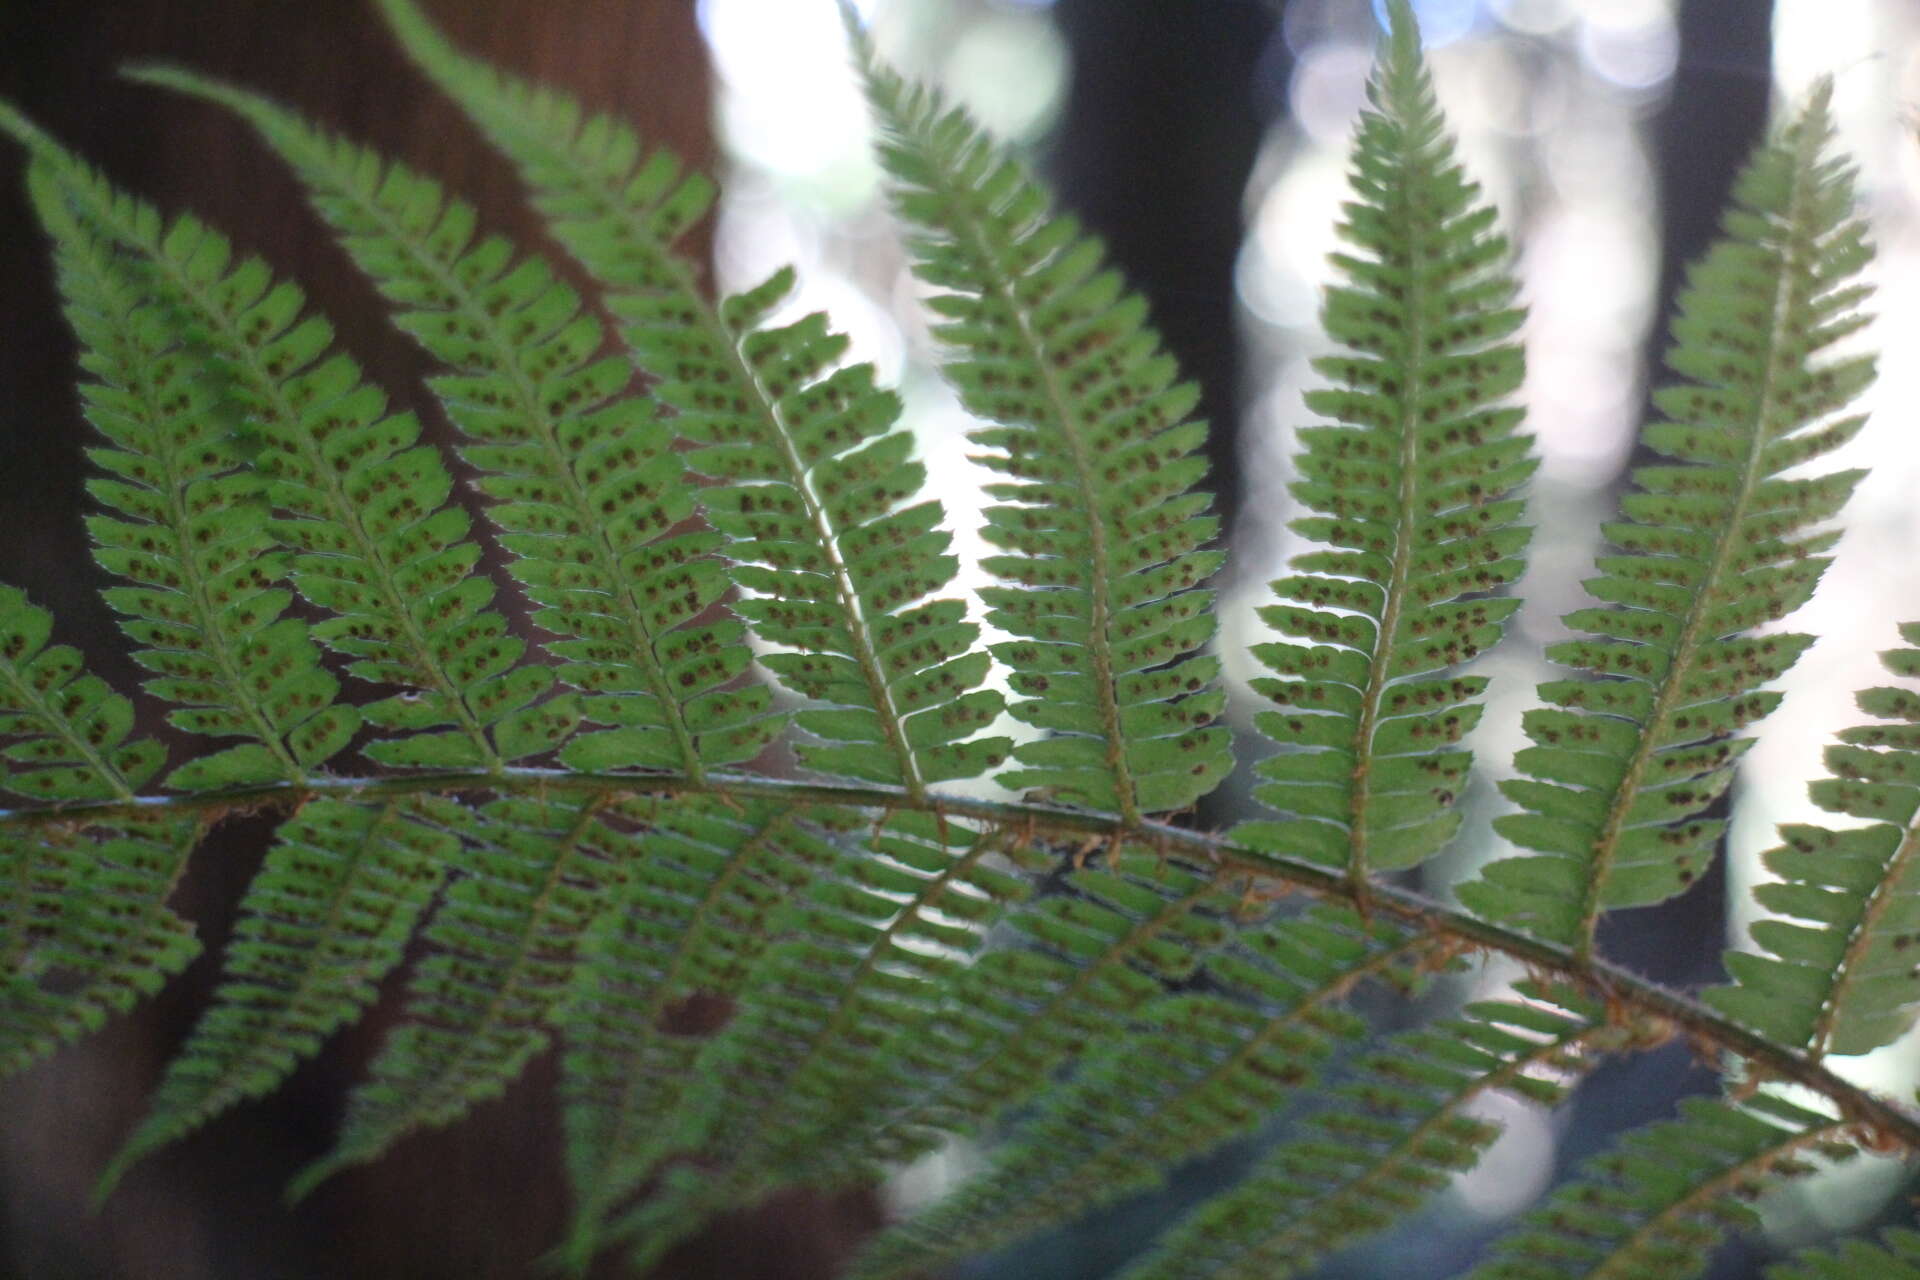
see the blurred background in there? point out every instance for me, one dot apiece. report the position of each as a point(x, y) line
point(1205, 141)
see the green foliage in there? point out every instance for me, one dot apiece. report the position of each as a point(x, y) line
point(323, 921)
point(1414, 493)
point(1099, 521)
point(1842, 982)
point(1658, 1205)
point(581, 837)
point(1718, 543)
point(1193, 1071)
point(1899, 1260)
point(1384, 1142)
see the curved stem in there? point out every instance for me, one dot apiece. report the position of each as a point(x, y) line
point(1267, 874)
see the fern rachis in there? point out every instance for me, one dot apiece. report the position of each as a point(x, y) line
point(573, 827)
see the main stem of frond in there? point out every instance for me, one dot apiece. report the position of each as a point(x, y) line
point(1072, 828)
point(1726, 539)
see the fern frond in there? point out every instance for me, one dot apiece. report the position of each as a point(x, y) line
point(364, 509)
point(1099, 520)
point(84, 927)
point(1717, 545)
point(591, 495)
point(65, 731)
point(1896, 1257)
point(506, 945)
point(190, 526)
point(816, 481)
point(876, 946)
point(1844, 981)
point(1656, 1208)
point(1385, 1143)
point(669, 956)
point(1095, 949)
point(1194, 1070)
point(1413, 490)
point(324, 920)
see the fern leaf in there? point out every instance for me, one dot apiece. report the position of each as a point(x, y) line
point(65, 730)
point(364, 508)
point(1385, 1143)
point(1099, 520)
point(591, 495)
point(1194, 1070)
point(1096, 949)
point(671, 953)
point(506, 944)
point(1656, 1208)
point(1717, 545)
point(84, 927)
point(325, 919)
point(85, 930)
point(1414, 490)
point(1843, 982)
point(874, 946)
point(1896, 1257)
point(816, 482)
point(190, 527)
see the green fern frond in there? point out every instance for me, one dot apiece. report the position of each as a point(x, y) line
point(190, 528)
point(86, 931)
point(1099, 520)
point(506, 942)
point(1844, 981)
point(1413, 490)
point(1656, 1208)
point(65, 730)
point(1194, 1070)
point(84, 927)
point(591, 495)
point(324, 920)
point(670, 955)
point(759, 983)
point(876, 946)
point(364, 509)
point(816, 480)
point(1094, 950)
point(1386, 1142)
point(1897, 1257)
point(1717, 546)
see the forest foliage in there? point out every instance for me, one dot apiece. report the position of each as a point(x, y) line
point(696, 720)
